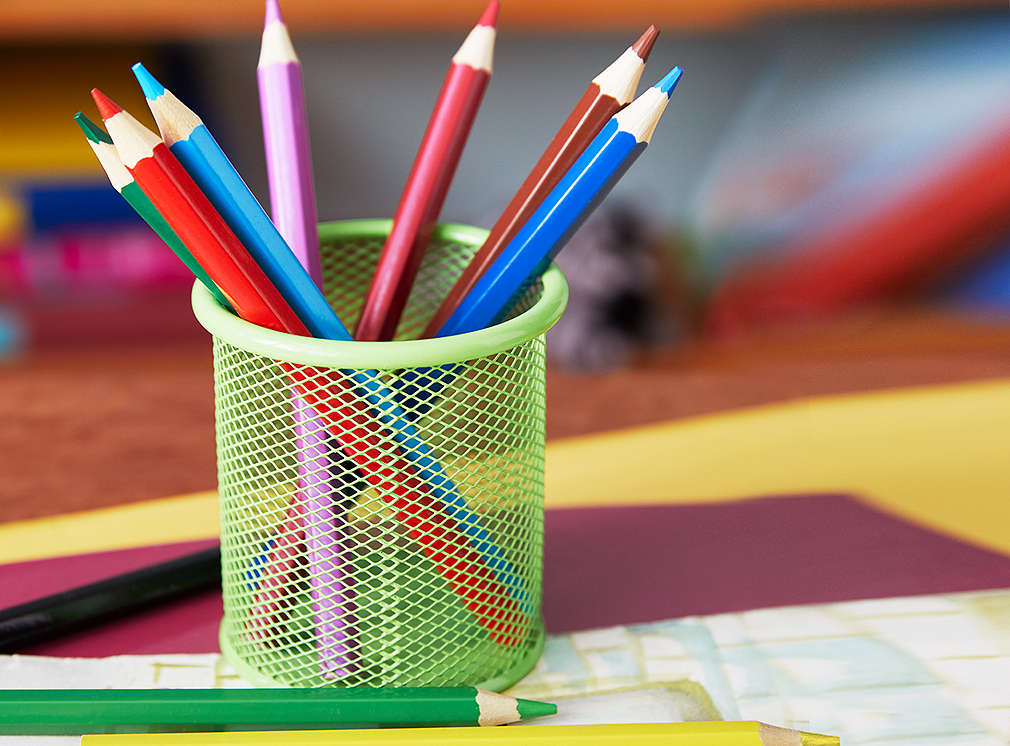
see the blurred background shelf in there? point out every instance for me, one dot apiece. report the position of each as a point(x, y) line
point(169, 19)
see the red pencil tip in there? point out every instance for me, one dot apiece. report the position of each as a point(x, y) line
point(643, 46)
point(490, 17)
point(107, 108)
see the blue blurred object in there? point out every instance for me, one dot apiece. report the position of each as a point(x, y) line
point(984, 287)
point(54, 206)
point(12, 334)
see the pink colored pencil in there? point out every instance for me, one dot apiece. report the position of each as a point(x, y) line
point(429, 180)
point(293, 204)
point(286, 138)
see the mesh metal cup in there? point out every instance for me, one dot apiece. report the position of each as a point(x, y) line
point(382, 502)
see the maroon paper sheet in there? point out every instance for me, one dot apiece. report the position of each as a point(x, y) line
point(614, 565)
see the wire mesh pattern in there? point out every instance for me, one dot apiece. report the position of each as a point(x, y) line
point(375, 534)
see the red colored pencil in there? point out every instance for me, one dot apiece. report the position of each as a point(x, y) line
point(227, 262)
point(608, 93)
point(429, 180)
point(169, 187)
point(948, 219)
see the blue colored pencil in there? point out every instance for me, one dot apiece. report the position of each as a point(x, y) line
point(578, 193)
point(190, 141)
point(528, 255)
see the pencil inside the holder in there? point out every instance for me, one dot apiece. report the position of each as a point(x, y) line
point(323, 469)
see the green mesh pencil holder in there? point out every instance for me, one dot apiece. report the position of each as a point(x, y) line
point(382, 502)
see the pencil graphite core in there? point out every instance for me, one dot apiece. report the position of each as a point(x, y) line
point(605, 96)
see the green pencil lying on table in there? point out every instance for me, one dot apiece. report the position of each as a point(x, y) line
point(80, 711)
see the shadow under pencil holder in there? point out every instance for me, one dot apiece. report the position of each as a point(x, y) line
point(368, 539)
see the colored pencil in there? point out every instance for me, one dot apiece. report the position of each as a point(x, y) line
point(429, 180)
point(174, 194)
point(293, 207)
point(472, 576)
point(111, 599)
point(125, 184)
point(608, 93)
point(668, 734)
point(76, 711)
point(583, 187)
point(189, 140)
point(286, 137)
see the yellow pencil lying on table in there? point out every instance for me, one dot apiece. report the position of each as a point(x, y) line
point(669, 734)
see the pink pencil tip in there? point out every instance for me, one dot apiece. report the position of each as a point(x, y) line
point(490, 17)
point(273, 13)
point(107, 108)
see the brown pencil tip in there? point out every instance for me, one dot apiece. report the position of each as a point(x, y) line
point(643, 46)
point(490, 17)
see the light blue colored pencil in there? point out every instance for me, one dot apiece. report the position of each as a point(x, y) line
point(192, 143)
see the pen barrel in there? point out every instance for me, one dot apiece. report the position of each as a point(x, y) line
point(432, 574)
point(74, 610)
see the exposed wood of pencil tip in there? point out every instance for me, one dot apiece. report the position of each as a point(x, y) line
point(771, 735)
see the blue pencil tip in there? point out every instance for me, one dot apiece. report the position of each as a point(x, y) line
point(669, 81)
point(148, 83)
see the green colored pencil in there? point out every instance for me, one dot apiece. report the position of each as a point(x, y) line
point(124, 183)
point(81, 711)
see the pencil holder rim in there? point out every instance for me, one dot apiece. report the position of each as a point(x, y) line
point(533, 322)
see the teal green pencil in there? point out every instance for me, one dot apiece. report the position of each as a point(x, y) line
point(82, 711)
point(124, 183)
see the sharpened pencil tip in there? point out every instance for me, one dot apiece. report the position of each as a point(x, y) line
point(531, 708)
point(816, 739)
point(107, 108)
point(91, 130)
point(669, 81)
point(643, 47)
point(273, 14)
point(490, 17)
point(148, 83)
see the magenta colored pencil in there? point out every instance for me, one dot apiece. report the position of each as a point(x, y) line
point(286, 138)
point(293, 204)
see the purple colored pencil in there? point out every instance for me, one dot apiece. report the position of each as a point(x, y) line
point(286, 137)
point(293, 207)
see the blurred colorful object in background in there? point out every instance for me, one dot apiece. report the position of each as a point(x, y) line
point(860, 183)
point(76, 264)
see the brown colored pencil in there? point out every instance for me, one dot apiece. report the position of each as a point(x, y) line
point(608, 93)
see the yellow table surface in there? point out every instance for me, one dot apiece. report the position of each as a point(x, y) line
point(935, 455)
